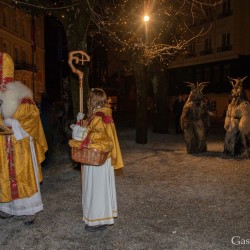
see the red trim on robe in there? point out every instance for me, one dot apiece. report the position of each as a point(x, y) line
point(84, 143)
point(11, 165)
point(27, 101)
point(106, 118)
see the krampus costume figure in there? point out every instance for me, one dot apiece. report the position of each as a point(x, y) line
point(237, 121)
point(195, 121)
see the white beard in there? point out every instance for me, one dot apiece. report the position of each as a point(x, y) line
point(15, 92)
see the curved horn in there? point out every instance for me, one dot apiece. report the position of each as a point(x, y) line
point(231, 80)
point(191, 85)
point(201, 86)
point(242, 79)
point(234, 79)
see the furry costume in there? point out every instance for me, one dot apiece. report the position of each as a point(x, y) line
point(237, 121)
point(195, 121)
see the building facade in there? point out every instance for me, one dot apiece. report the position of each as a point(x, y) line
point(22, 37)
point(223, 51)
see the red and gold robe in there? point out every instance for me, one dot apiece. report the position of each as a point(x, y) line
point(101, 135)
point(17, 176)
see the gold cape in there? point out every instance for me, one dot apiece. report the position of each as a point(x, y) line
point(102, 136)
point(28, 117)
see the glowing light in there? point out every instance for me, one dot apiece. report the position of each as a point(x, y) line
point(146, 18)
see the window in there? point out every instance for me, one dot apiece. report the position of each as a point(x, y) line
point(207, 47)
point(225, 40)
point(217, 74)
point(4, 47)
point(23, 56)
point(190, 75)
point(207, 44)
point(16, 25)
point(4, 19)
point(191, 48)
point(16, 54)
point(22, 29)
point(226, 72)
point(226, 6)
point(207, 74)
point(198, 75)
point(226, 9)
point(209, 14)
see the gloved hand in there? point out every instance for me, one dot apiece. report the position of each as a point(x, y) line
point(80, 116)
point(78, 132)
point(8, 122)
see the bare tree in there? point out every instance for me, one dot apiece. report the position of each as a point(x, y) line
point(119, 25)
point(149, 44)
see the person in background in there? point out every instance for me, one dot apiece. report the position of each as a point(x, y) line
point(99, 201)
point(209, 106)
point(177, 110)
point(23, 151)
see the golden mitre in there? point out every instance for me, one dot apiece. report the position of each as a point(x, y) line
point(6, 68)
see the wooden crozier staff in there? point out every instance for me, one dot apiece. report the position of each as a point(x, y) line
point(84, 58)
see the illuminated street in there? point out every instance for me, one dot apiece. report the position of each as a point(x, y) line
point(167, 199)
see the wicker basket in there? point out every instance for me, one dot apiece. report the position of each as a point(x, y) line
point(89, 156)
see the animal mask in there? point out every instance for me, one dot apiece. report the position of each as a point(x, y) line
point(196, 94)
point(237, 84)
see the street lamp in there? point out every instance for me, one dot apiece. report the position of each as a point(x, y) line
point(146, 20)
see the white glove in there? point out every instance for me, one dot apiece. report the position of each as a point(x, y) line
point(8, 122)
point(80, 116)
point(78, 132)
point(18, 131)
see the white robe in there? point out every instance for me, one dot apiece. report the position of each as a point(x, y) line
point(33, 204)
point(99, 194)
